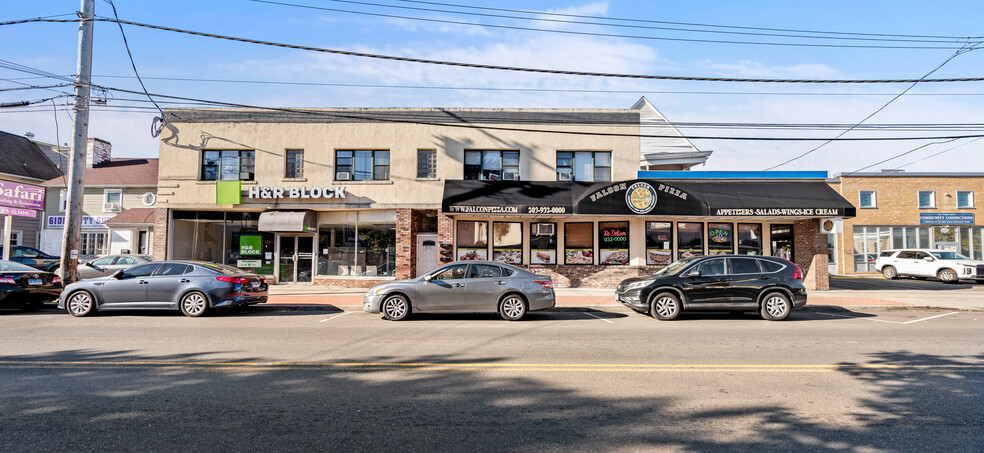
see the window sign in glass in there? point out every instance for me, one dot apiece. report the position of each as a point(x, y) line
point(507, 242)
point(543, 243)
point(690, 239)
point(613, 242)
point(473, 240)
point(749, 239)
point(578, 243)
point(659, 243)
point(720, 238)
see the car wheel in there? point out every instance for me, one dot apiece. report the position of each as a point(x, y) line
point(80, 303)
point(776, 307)
point(947, 275)
point(665, 307)
point(890, 273)
point(193, 304)
point(512, 308)
point(396, 308)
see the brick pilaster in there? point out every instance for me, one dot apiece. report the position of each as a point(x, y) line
point(161, 223)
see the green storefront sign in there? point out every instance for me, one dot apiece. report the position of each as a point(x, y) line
point(250, 245)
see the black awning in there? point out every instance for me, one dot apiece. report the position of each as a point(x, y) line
point(647, 197)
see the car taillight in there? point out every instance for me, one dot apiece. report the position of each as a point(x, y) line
point(546, 284)
point(56, 280)
point(8, 280)
point(798, 273)
point(235, 280)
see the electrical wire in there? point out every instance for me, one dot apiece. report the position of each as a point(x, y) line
point(649, 21)
point(899, 155)
point(939, 153)
point(133, 64)
point(962, 51)
point(605, 35)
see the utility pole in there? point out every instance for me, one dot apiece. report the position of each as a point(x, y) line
point(76, 160)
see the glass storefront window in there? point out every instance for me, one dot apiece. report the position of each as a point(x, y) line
point(613, 242)
point(247, 248)
point(473, 240)
point(859, 253)
point(336, 249)
point(910, 237)
point(978, 246)
point(376, 254)
point(659, 243)
point(543, 243)
point(720, 238)
point(965, 241)
point(507, 242)
point(690, 239)
point(359, 244)
point(749, 239)
point(782, 241)
point(924, 238)
point(198, 235)
point(578, 243)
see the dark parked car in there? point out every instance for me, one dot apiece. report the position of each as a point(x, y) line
point(463, 287)
point(33, 257)
point(26, 287)
point(771, 286)
point(190, 286)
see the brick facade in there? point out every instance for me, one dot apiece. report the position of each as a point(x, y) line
point(406, 243)
point(810, 248)
point(161, 232)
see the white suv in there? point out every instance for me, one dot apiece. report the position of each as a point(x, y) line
point(949, 267)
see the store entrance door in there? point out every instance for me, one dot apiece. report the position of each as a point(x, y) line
point(295, 258)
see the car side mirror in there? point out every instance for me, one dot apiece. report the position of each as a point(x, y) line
point(929, 259)
point(694, 274)
point(118, 274)
point(428, 278)
point(89, 263)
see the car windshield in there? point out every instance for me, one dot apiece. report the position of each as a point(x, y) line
point(949, 256)
point(674, 267)
point(7, 266)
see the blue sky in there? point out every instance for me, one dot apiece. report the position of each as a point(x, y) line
point(160, 54)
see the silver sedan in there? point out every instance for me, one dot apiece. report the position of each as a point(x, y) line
point(464, 287)
point(109, 264)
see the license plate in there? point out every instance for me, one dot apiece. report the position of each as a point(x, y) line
point(35, 281)
point(256, 284)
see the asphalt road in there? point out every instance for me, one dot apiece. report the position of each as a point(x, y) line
point(608, 380)
point(877, 283)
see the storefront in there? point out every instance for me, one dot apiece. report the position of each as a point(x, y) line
point(594, 234)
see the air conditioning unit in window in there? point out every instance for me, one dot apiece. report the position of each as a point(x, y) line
point(343, 176)
point(111, 207)
point(564, 176)
point(543, 229)
point(510, 176)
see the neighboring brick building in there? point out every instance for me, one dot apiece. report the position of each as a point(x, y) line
point(912, 210)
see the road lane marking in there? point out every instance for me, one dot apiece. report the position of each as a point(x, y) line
point(599, 317)
point(466, 366)
point(337, 316)
point(886, 321)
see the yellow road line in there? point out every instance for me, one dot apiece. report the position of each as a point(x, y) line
point(468, 366)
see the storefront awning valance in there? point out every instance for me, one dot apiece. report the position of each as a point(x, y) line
point(647, 197)
point(288, 221)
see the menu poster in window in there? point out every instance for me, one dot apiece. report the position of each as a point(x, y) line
point(508, 256)
point(659, 248)
point(578, 243)
point(543, 256)
point(613, 243)
point(470, 254)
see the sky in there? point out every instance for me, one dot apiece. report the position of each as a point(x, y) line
point(626, 37)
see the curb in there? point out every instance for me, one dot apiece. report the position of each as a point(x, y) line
point(598, 308)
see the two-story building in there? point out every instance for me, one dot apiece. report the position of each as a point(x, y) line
point(897, 210)
point(356, 196)
point(117, 205)
point(23, 162)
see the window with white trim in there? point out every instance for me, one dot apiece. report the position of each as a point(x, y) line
point(965, 199)
point(93, 244)
point(927, 199)
point(867, 199)
point(584, 166)
point(294, 165)
point(492, 165)
point(112, 200)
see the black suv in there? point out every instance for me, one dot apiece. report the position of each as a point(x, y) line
point(772, 286)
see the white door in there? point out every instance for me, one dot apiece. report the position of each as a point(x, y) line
point(427, 252)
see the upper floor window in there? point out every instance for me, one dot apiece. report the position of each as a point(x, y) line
point(294, 166)
point(492, 165)
point(927, 199)
point(584, 165)
point(228, 165)
point(62, 200)
point(866, 199)
point(965, 199)
point(112, 200)
point(353, 165)
point(427, 163)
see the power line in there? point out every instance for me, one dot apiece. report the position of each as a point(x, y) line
point(605, 35)
point(524, 69)
point(883, 107)
point(130, 55)
point(649, 21)
point(941, 152)
point(617, 25)
point(899, 155)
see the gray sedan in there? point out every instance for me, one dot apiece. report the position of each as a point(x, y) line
point(193, 287)
point(464, 287)
point(109, 264)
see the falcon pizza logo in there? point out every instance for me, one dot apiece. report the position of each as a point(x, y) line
point(640, 197)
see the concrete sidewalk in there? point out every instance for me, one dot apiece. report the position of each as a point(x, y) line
point(310, 296)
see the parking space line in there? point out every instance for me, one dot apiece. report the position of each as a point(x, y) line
point(889, 322)
point(931, 317)
point(337, 316)
point(599, 317)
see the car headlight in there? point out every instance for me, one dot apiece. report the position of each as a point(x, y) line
point(375, 290)
point(638, 285)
